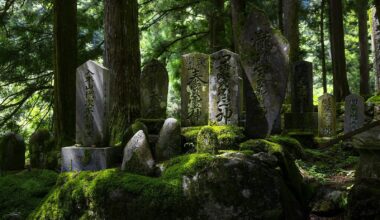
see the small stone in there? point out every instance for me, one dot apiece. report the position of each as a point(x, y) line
point(207, 141)
point(169, 140)
point(138, 156)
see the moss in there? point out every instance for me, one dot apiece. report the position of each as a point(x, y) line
point(207, 141)
point(228, 136)
point(261, 145)
point(89, 194)
point(374, 99)
point(22, 192)
point(292, 145)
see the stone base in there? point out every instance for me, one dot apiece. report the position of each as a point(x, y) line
point(301, 122)
point(88, 158)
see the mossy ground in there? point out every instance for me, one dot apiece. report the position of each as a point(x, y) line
point(22, 192)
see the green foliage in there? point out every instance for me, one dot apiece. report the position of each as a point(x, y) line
point(22, 192)
point(374, 100)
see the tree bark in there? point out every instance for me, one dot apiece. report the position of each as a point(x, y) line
point(238, 13)
point(341, 88)
point(376, 42)
point(280, 16)
point(362, 7)
point(65, 64)
point(122, 57)
point(323, 50)
point(216, 26)
point(291, 27)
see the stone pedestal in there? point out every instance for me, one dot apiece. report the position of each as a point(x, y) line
point(93, 159)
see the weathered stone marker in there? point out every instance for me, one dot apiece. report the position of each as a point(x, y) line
point(375, 24)
point(326, 116)
point(224, 88)
point(154, 90)
point(354, 113)
point(302, 118)
point(12, 152)
point(264, 55)
point(195, 89)
point(92, 104)
point(302, 87)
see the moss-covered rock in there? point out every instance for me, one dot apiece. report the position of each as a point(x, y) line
point(228, 136)
point(364, 199)
point(154, 125)
point(193, 186)
point(43, 154)
point(132, 130)
point(207, 141)
point(22, 192)
point(292, 145)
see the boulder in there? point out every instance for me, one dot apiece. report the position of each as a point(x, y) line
point(169, 140)
point(41, 150)
point(132, 130)
point(138, 156)
point(207, 141)
point(12, 152)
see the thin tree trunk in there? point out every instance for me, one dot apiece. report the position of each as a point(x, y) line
point(341, 89)
point(122, 57)
point(323, 50)
point(237, 12)
point(291, 27)
point(375, 42)
point(216, 26)
point(65, 63)
point(362, 7)
point(280, 17)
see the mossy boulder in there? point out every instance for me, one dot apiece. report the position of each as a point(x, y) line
point(41, 150)
point(286, 163)
point(228, 136)
point(364, 199)
point(207, 141)
point(291, 145)
point(12, 152)
point(154, 125)
point(194, 186)
point(138, 156)
point(132, 130)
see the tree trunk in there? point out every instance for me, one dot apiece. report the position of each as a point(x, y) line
point(376, 42)
point(341, 89)
point(122, 57)
point(280, 16)
point(362, 7)
point(216, 26)
point(65, 63)
point(291, 27)
point(323, 50)
point(238, 16)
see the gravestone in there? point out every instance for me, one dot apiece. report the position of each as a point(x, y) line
point(264, 55)
point(225, 88)
point(302, 117)
point(326, 116)
point(92, 104)
point(154, 90)
point(375, 24)
point(302, 87)
point(354, 113)
point(195, 89)
point(12, 152)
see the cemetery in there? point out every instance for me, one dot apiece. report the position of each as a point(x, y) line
point(249, 127)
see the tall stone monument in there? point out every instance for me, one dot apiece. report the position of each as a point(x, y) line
point(195, 89)
point(265, 58)
point(92, 104)
point(302, 117)
point(224, 88)
point(326, 116)
point(354, 113)
point(154, 90)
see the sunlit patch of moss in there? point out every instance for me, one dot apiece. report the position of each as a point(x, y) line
point(374, 99)
point(261, 145)
point(87, 194)
point(292, 145)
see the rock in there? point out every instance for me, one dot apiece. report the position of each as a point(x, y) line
point(154, 90)
point(41, 150)
point(328, 201)
point(138, 156)
point(207, 141)
point(169, 140)
point(364, 200)
point(12, 152)
point(132, 130)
